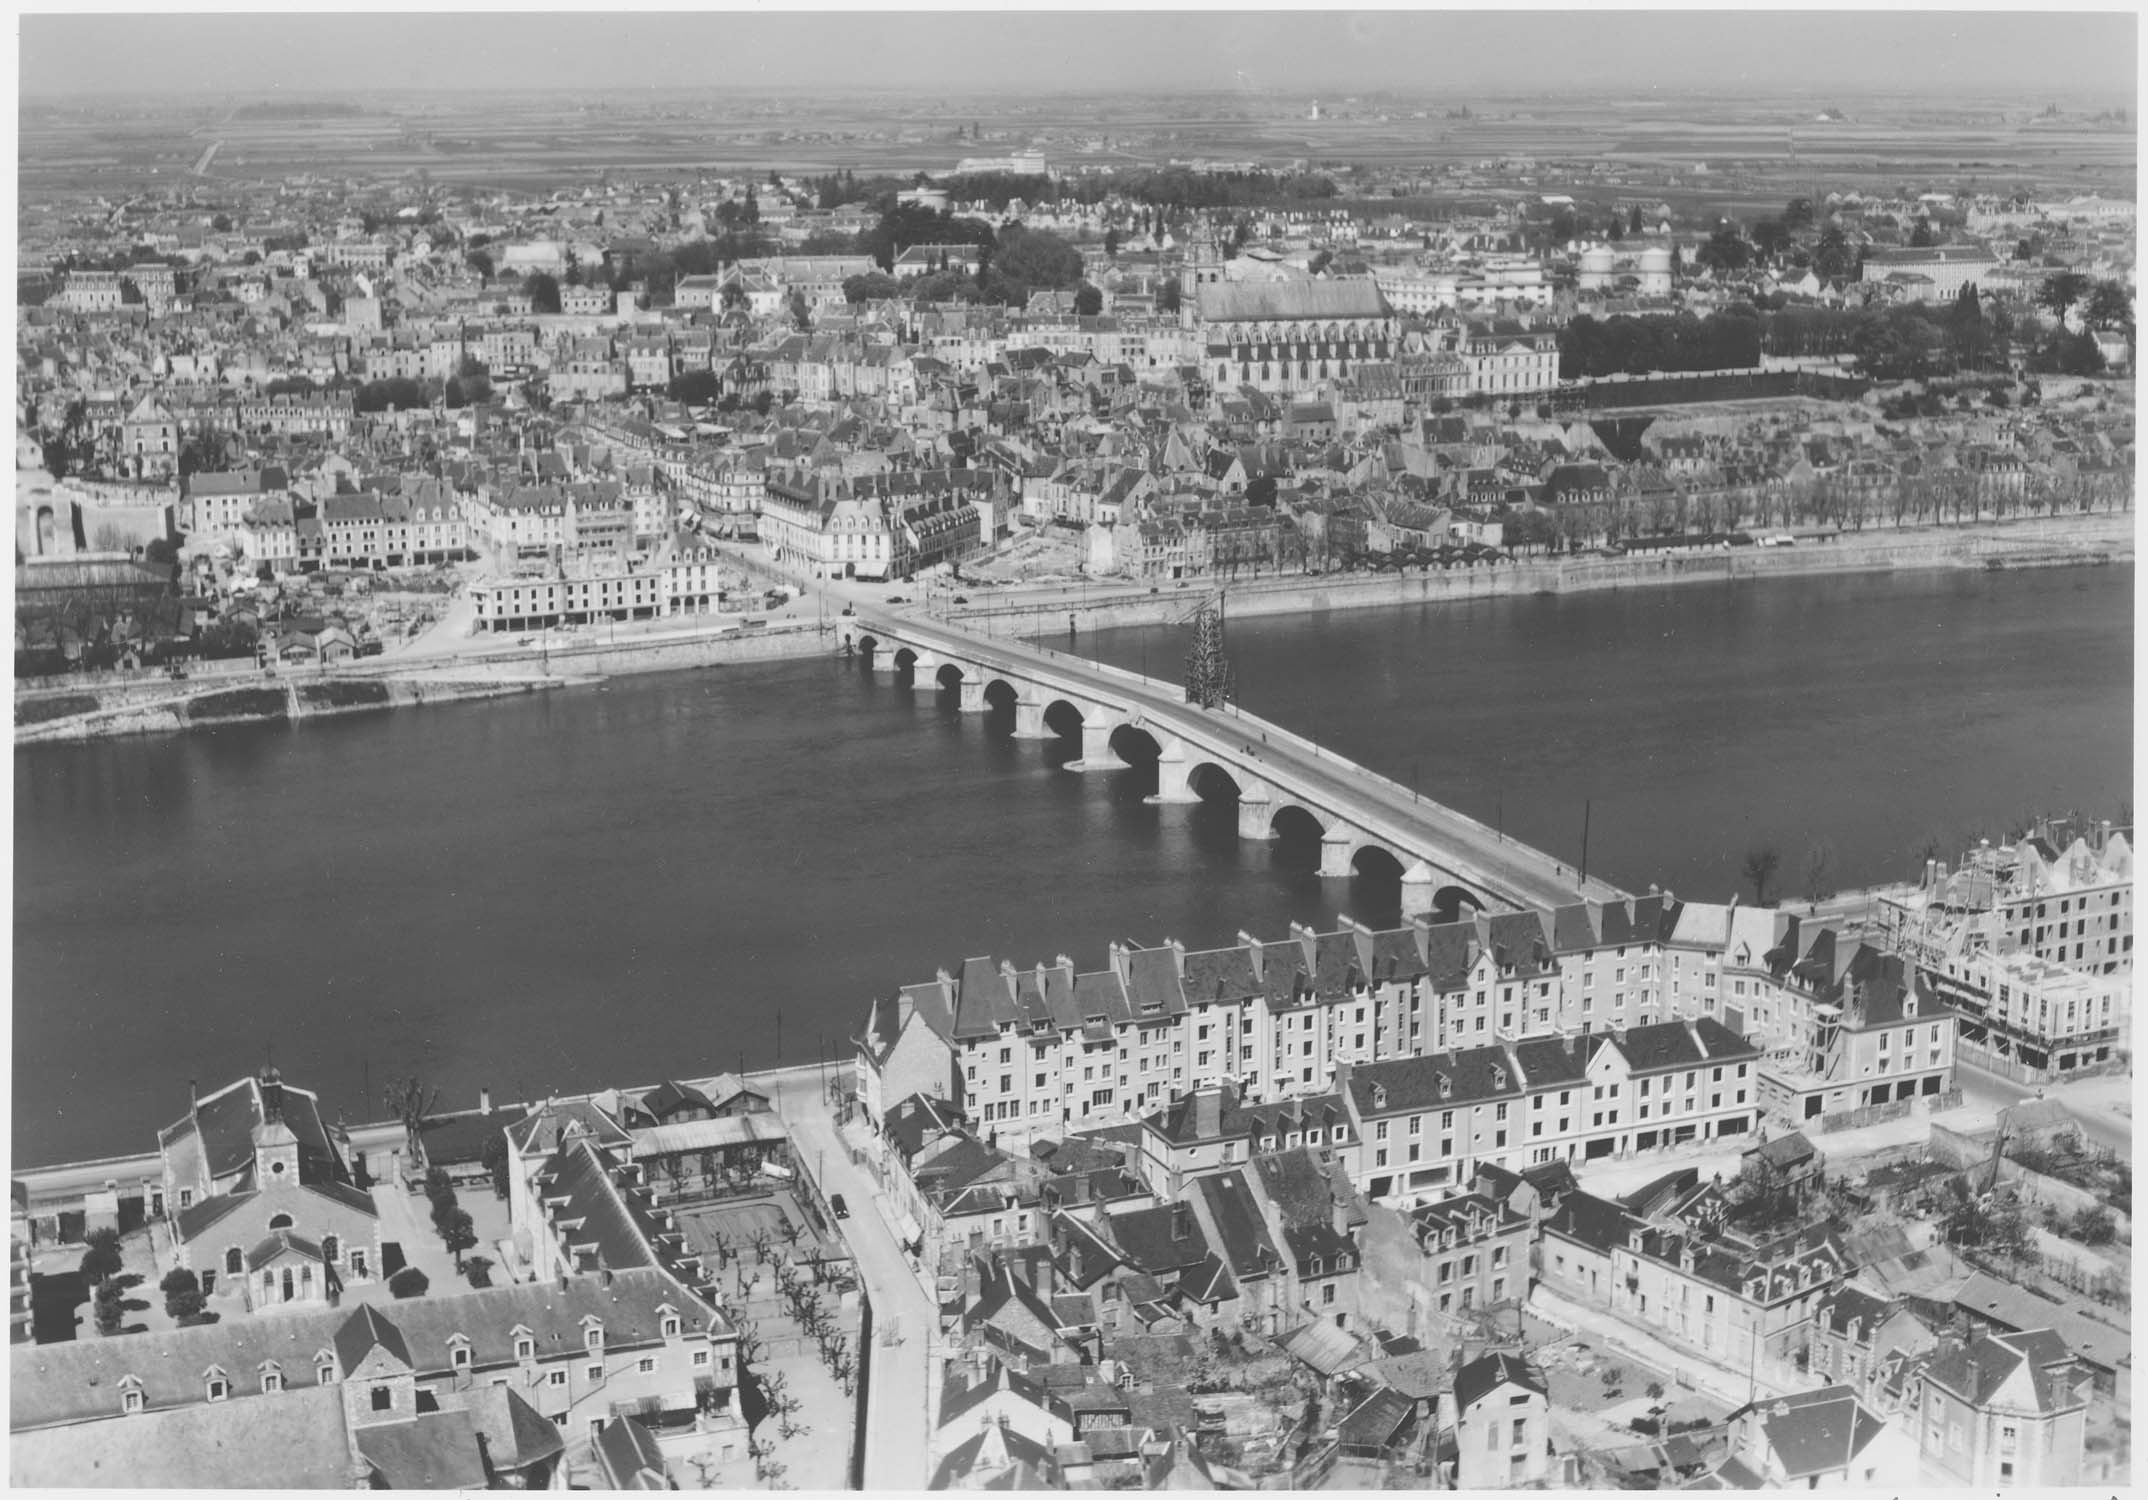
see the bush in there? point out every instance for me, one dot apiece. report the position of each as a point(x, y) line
point(408, 1282)
point(102, 1256)
point(479, 1270)
point(182, 1294)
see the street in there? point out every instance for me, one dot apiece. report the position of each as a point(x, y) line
point(2103, 1105)
point(898, 1432)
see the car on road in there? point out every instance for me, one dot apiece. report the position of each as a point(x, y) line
point(840, 1208)
point(962, 598)
point(897, 599)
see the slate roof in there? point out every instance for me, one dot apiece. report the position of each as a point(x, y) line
point(296, 1441)
point(1485, 1374)
point(433, 1451)
point(1817, 1432)
point(1978, 1370)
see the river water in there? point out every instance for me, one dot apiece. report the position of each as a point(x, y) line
point(679, 873)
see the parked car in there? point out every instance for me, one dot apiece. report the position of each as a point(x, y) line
point(897, 599)
point(962, 598)
point(840, 1208)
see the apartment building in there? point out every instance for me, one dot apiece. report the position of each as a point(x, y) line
point(1043, 1048)
point(2034, 1018)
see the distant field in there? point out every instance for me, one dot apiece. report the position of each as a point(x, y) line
point(544, 140)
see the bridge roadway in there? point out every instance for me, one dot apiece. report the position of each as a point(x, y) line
point(1438, 848)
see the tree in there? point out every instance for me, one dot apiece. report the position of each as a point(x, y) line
point(110, 1309)
point(479, 1271)
point(495, 1161)
point(2060, 291)
point(1819, 871)
point(800, 318)
point(101, 1256)
point(872, 286)
point(407, 1283)
point(458, 1232)
point(1832, 258)
point(408, 1102)
point(2109, 305)
point(1167, 297)
point(695, 387)
point(1760, 867)
point(1770, 238)
point(1798, 213)
point(1633, 220)
point(1922, 234)
point(543, 288)
point(480, 262)
point(1726, 250)
point(182, 1294)
point(1088, 301)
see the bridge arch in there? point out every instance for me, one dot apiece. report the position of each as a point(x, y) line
point(1453, 903)
point(1136, 745)
point(1294, 822)
point(1212, 781)
point(1370, 858)
point(951, 676)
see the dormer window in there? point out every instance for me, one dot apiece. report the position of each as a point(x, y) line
point(219, 1389)
point(271, 1379)
point(131, 1402)
point(324, 1370)
point(525, 1349)
point(593, 1338)
point(459, 1353)
point(670, 1325)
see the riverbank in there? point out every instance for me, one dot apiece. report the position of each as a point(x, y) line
point(2072, 541)
point(96, 709)
point(81, 710)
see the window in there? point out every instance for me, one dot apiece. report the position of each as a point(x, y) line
point(595, 1374)
point(646, 1365)
point(557, 1377)
point(219, 1388)
point(671, 1326)
point(594, 1339)
point(131, 1401)
point(459, 1356)
point(271, 1381)
point(383, 1398)
point(701, 1358)
point(525, 1349)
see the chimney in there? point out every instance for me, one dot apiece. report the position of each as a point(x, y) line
point(1251, 944)
point(1207, 1111)
point(484, 1101)
point(193, 1094)
point(1181, 1220)
point(1065, 966)
point(904, 1005)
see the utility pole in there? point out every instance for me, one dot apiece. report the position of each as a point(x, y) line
point(1586, 805)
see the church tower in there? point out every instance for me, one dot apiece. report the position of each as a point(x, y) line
point(275, 1146)
point(1202, 266)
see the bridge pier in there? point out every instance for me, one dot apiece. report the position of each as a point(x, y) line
point(1174, 775)
point(1335, 851)
point(1254, 813)
point(1096, 751)
point(972, 698)
point(1418, 886)
point(1029, 722)
point(883, 659)
point(925, 667)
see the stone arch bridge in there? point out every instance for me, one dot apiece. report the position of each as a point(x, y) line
point(1446, 860)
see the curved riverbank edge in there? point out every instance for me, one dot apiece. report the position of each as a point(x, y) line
point(76, 710)
point(2072, 542)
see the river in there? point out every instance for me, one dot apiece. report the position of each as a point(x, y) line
point(674, 874)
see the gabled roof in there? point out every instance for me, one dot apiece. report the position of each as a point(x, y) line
point(364, 1331)
point(1487, 1373)
point(1819, 1432)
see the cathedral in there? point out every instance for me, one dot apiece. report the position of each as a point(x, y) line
point(1284, 336)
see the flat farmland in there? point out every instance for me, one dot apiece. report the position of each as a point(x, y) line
point(1750, 147)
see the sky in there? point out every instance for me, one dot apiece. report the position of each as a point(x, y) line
point(1465, 52)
